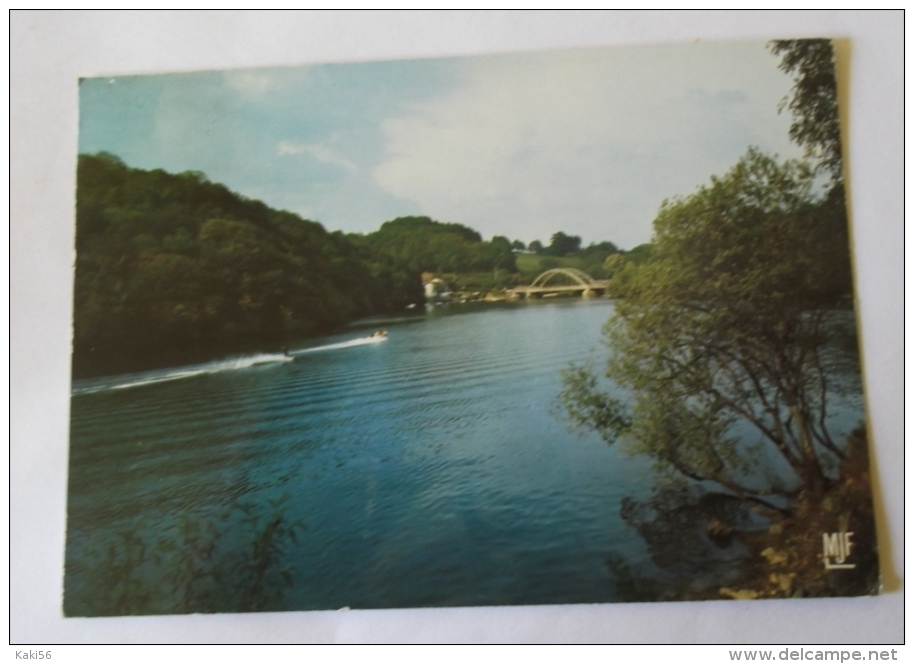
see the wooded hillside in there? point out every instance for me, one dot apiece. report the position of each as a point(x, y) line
point(173, 267)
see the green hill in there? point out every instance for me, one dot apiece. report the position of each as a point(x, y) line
point(425, 245)
point(171, 268)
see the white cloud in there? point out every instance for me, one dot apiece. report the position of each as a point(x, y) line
point(320, 152)
point(588, 142)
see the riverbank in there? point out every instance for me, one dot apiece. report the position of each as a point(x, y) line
point(89, 365)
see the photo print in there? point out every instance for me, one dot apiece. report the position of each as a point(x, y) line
point(540, 328)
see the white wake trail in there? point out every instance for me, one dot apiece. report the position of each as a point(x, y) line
point(153, 377)
point(361, 341)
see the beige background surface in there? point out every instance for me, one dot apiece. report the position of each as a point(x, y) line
point(50, 50)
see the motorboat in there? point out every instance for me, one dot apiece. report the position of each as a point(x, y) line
point(378, 334)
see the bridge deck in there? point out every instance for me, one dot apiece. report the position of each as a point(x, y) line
point(584, 284)
point(560, 288)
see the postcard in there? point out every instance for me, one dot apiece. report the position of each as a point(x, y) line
point(540, 328)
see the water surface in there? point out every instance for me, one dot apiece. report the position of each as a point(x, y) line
point(428, 469)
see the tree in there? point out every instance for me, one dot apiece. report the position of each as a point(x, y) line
point(536, 247)
point(613, 265)
point(562, 245)
point(604, 248)
point(727, 325)
point(814, 99)
point(425, 245)
point(640, 254)
point(518, 245)
point(501, 242)
point(816, 127)
point(594, 256)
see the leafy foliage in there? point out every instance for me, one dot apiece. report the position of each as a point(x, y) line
point(814, 100)
point(640, 254)
point(234, 562)
point(562, 245)
point(737, 317)
point(729, 321)
point(424, 245)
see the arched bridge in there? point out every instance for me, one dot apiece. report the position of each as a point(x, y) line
point(544, 284)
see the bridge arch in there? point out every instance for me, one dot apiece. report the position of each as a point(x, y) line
point(584, 284)
point(579, 276)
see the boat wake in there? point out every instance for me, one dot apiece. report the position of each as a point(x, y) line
point(165, 375)
point(361, 341)
point(162, 376)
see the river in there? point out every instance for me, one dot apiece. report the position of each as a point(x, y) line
point(432, 468)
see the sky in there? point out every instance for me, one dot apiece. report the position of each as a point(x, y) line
point(588, 142)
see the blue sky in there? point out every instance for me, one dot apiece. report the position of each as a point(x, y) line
point(586, 141)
